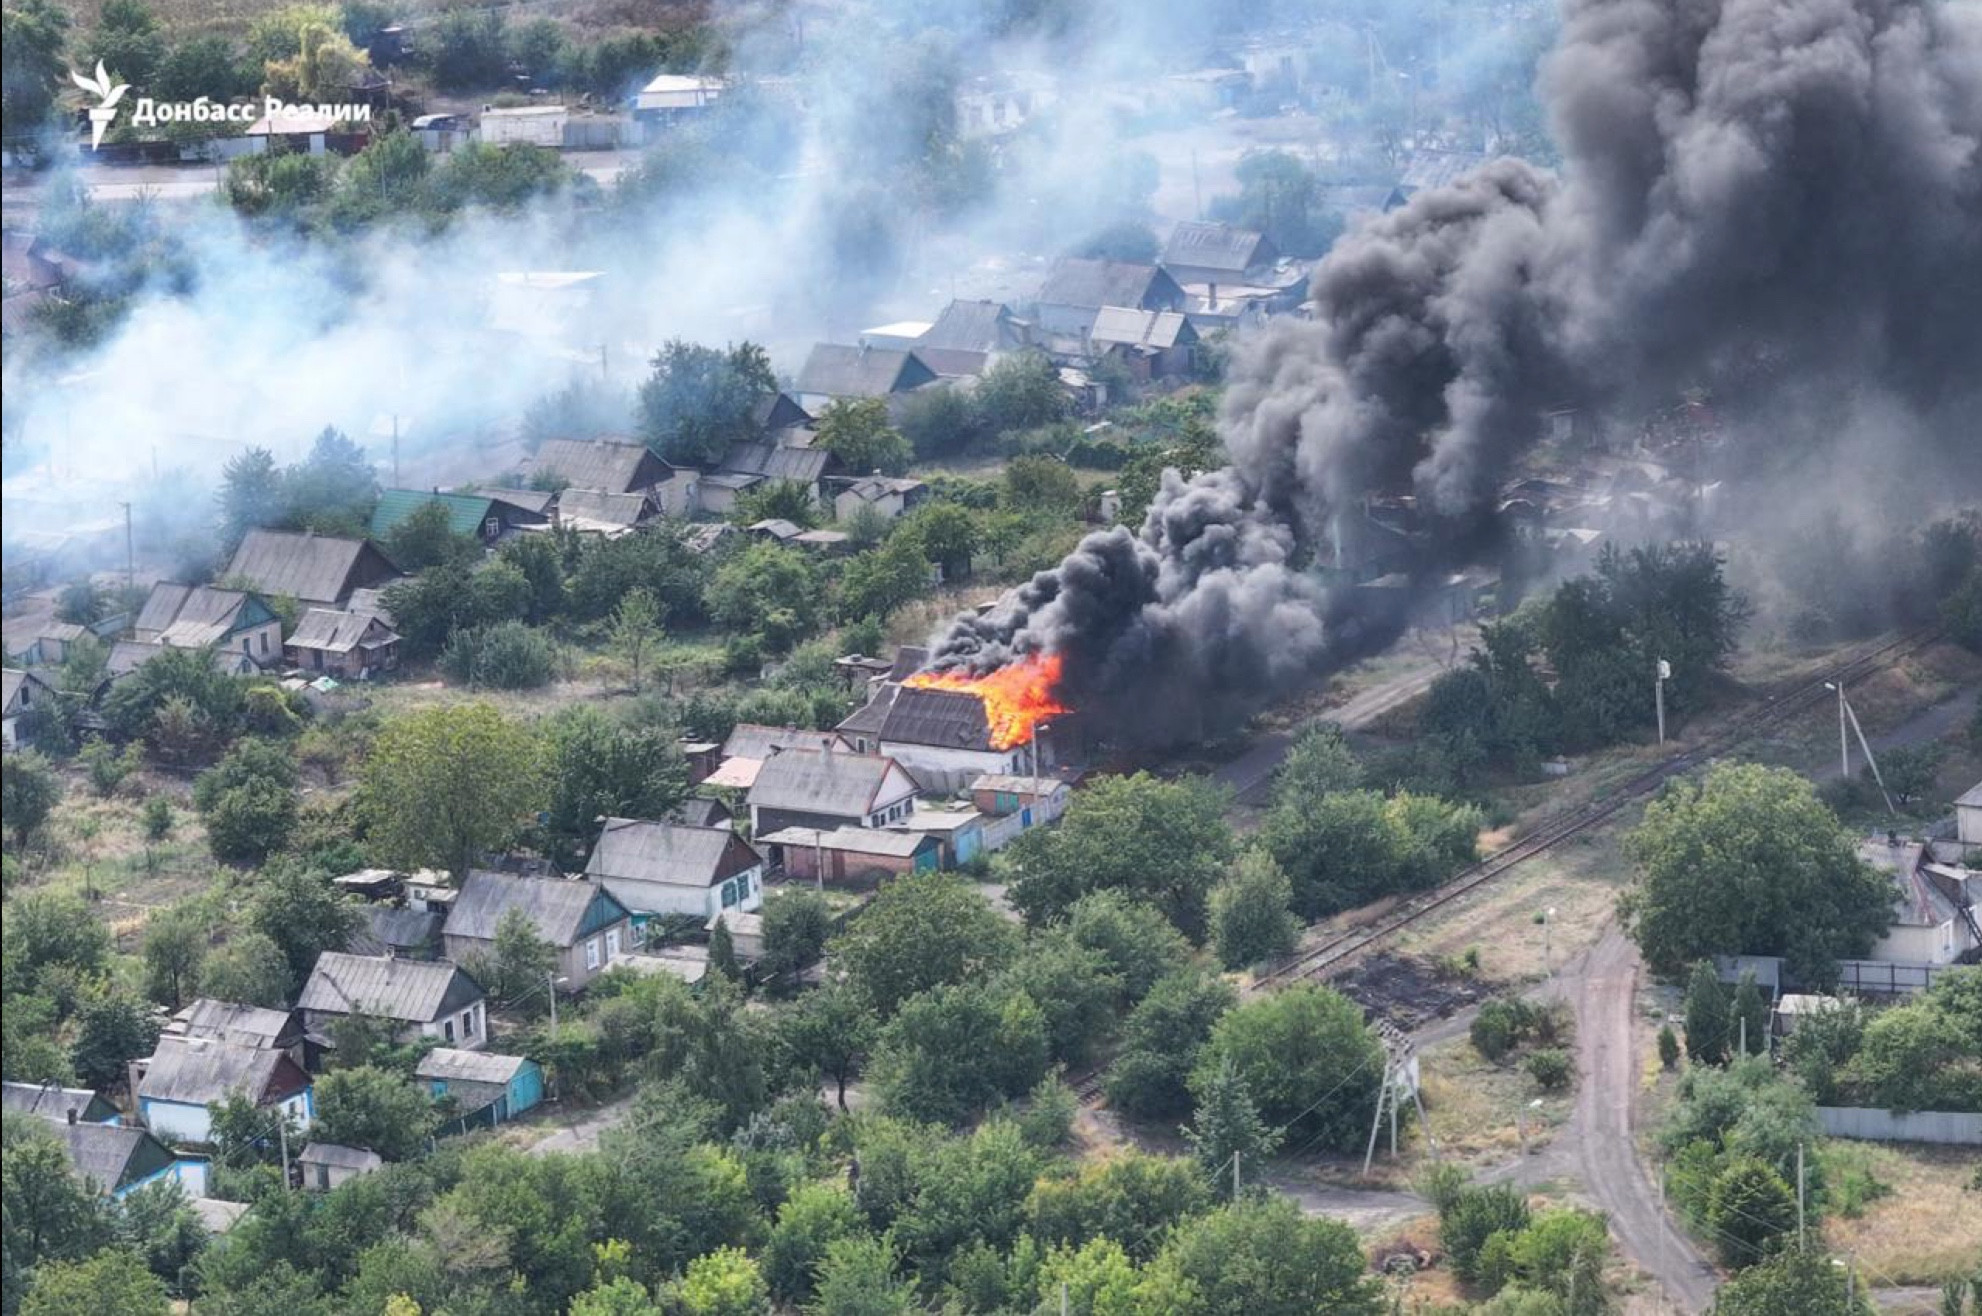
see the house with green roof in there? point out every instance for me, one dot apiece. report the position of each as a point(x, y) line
point(475, 514)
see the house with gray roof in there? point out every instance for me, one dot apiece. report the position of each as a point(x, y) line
point(407, 933)
point(117, 1160)
point(347, 644)
point(185, 1075)
point(51, 1102)
point(581, 920)
point(1075, 291)
point(942, 736)
point(1208, 252)
point(202, 617)
point(675, 868)
point(837, 370)
point(423, 998)
point(328, 1165)
point(127, 656)
point(21, 693)
point(852, 854)
point(824, 788)
point(1150, 344)
point(242, 1025)
point(318, 571)
point(487, 1089)
point(977, 326)
point(609, 515)
point(617, 466)
point(889, 496)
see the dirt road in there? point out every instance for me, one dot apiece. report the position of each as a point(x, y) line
point(1251, 773)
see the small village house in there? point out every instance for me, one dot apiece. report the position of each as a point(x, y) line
point(1968, 817)
point(303, 130)
point(958, 829)
point(670, 98)
point(584, 924)
point(328, 1165)
point(487, 1089)
point(251, 1026)
point(1928, 924)
point(747, 466)
point(942, 736)
point(1202, 252)
point(746, 932)
point(478, 516)
point(420, 998)
point(24, 694)
point(888, 496)
point(985, 327)
point(609, 515)
point(402, 933)
point(617, 466)
point(186, 1075)
point(117, 1160)
point(1017, 803)
point(851, 854)
point(900, 335)
point(655, 868)
point(318, 571)
point(127, 656)
point(749, 744)
point(347, 645)
point(1076, 290)
point(836, 370)
point(524, 125)
point(202, 617)
point(52, 1102)
point(824, 788)
point(1149, 344)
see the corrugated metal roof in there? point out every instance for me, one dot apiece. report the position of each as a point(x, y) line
point(1018, 785)
point(1139, 328)
point(975, 326)
point(839, 371)
point(537, 501)
point(555, 906)
point(452, 1065)
point(914, 715)
point(1207, 245)
point(127, 656)
point(112, 1155)
point(242, 1025)
point(954, 362)
point(856, 840)
point(701, 811)
point(312, 568)
point(811, 781)
point(1097, 283)
point(612, 465)
point(402, 930)
point(413, 991)
point(465, 512)
point(1438, 168)
point(194, 616)
point(338, 632)
point(596, 506)
point(197, 1070)
point(775, 461)
point(674, 854)
point(337, 1156)
point(1972, 797)
point(53, 1103)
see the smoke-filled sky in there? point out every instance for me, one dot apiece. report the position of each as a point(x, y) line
point(1777, 196)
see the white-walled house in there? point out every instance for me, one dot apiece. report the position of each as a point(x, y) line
point(187, 1074)
point(1928, 928)
point(674, 868)
point(1968, 816)
point(423, 998)
point(825, 788)
point(942, 736)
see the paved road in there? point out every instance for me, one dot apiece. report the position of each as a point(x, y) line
point(581, 1134)
point(1932, 724)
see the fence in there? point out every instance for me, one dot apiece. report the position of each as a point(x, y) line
point(1863, 1122)
point(1854, 977)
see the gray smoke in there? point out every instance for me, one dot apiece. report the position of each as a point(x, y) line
point(1778, 195)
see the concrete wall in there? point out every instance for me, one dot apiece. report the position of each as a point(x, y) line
point(1962, 1128)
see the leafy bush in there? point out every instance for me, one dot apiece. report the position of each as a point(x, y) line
point(1550, 1067)
point(505, 656)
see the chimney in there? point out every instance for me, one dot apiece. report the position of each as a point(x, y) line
point(826, 744)
point(72, 1114)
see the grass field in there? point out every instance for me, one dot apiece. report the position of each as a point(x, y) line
point(1925, 1228)
point(1480, 1111)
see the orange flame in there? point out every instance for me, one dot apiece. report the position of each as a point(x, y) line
point(1017, 697)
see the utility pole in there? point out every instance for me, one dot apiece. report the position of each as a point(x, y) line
point(1801, 1246)
point(1843, 737)
point(1743, 1021)
point(1878, 778)
point(131, 546)
point(282, 1135)
point(1658, 688)
point(1235, 1174)
point(550, 981)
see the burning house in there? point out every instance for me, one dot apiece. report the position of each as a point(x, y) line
point(949, 728)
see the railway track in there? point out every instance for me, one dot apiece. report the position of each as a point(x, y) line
point(1337, 953)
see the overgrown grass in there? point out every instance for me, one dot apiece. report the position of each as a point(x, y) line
point(1925, 1227)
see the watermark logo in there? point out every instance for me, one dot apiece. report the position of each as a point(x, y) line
point(107, 95)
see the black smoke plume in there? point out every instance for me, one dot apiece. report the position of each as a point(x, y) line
point(1784, 190)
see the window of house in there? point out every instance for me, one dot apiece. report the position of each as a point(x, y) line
point(447, 1030)
point(592, 953)
point(264, 641)
point(244, 643)
point(468, 1022)
point(639, 934)
point(729, 893)
point(612, 942)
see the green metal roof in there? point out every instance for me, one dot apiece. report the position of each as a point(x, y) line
point(465, 512)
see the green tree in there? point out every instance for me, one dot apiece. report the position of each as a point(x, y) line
point(1265, 1258)
point(1793, 1282)
point(722, 952)
point(828, 1032)
point(700, 400)
point(1913, 771)
point(158, 1223)
point(1125, 240)
point(505, 655)
point(858, 432)
point(619, 1296)
point(1162, 1040)
point(1749, 1207)
point(1918, 1057)
point(115, 1279)
point(1040, 487)
point(1345, 848)
point(599, 768)
point(1280, 196)
point(127, 41)
point(951, 1051)
point(1471, 1219)
point(52, 1215)
point(518, 967)
point(372, 1108)
point(921, 931)
point(444, 784)
point(107, 768)
point(1131, 1197)
point(469, 49)
point(249, 968)
point(1308, 1060)
point(1250, 919)
point(202, 66)
point(248, 801)
point(1166, 842)
point(425, 537)
point(177, 939)
point(880, 582)
point(1750, 862)
point(113, 1028)
point(725, 1282)
point(1074, 990)
point(250, 484)
point(302, 913)
point(1227, 1133)
point(797, 923)
point(814, 1217)
point(32, 36)
point(636, 632)
point(1021, 391)
point(1748, 1016)
point(857, 1278)
point(770, 591)
point(937, 422)
point(29, 792)
point(1139, 944)
point(272, 185)
point(183, 707)
point(947, 534)
point(1708, 1011)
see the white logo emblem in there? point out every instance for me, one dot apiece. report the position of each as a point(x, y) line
point(107, 95)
